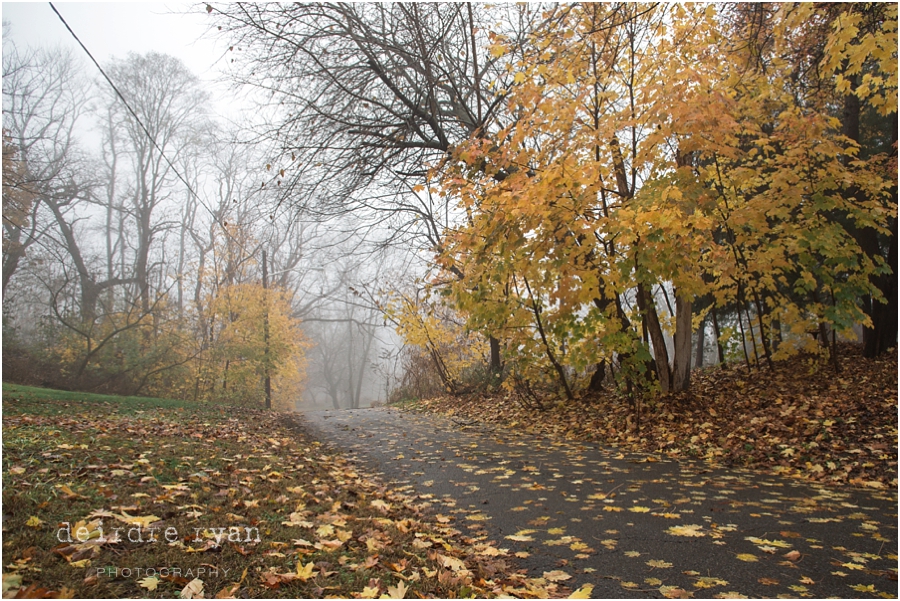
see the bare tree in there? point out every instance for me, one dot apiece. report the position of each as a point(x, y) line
point(169, 114)
point(365, 98)
point(43, 100)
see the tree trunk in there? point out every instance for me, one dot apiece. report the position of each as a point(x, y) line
point(883, 333)
point(681, 371)
point(496, 366)
point(647, 307)
point(717, 334)
point(596, 383)
point(701, 340)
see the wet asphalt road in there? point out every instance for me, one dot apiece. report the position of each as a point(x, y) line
point(629, 526)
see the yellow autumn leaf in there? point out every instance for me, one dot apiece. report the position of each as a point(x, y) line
point(305, 572)
point(583, 593)
point(556, 576)
point(380, 505)
point(639, 509)
point(150, 583)
point(140, 521)
point(368, 593)
point(34, 522)
point(555, 531)
point(688, 530)
point(747, 557)
point(658, 563)
point(398, 591)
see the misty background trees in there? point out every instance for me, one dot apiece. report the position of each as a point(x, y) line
point(133, 242)
point(454, 196)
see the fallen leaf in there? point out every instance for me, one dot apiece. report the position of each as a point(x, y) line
point(398, 591)
point(583, 593)
point(305, 572)
point(34, 522)
point(193, 590)
point(658, 563)
point(689, 530)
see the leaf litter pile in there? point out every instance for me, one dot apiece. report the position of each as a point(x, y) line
point(102, 501)
point(801, 419)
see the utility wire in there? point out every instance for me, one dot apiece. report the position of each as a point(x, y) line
point(146, 131)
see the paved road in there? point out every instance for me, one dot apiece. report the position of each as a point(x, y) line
point(627, 524)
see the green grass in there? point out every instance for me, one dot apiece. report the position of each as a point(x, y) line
point(28, 400)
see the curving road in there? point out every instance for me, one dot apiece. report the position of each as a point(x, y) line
point(631, 525)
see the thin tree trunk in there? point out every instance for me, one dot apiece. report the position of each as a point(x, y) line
point(597, 377)
point(681, 370)
point(718, 334)
point(647, 307)
point(496, 366)
point(701, 339)
point(550, 355)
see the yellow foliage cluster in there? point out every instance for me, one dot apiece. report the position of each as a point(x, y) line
point(251, 331)
point(428, 324)
point(650, 147)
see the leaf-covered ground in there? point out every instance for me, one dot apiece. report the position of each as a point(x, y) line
point(577, 516)
point(191, 489)
point(802, 419)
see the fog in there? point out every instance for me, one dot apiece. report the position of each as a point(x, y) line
point(135, 216)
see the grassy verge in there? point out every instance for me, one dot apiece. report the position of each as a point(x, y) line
point(43, 401)
point(225, 501)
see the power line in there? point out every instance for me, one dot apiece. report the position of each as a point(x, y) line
point(146, 131)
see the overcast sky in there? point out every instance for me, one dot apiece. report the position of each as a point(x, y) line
point(116, 28)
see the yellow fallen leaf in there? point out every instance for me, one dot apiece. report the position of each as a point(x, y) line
point(686, 530)
point(397, 592)
point(305, 572)
point(673, 592)
point(368, 593)
point(34, 522)
point(583, 593)
point(747, 557)
point(556, 576)
point(150, 583)
point(134, 520)
point(658, 563)
point(452, 563)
